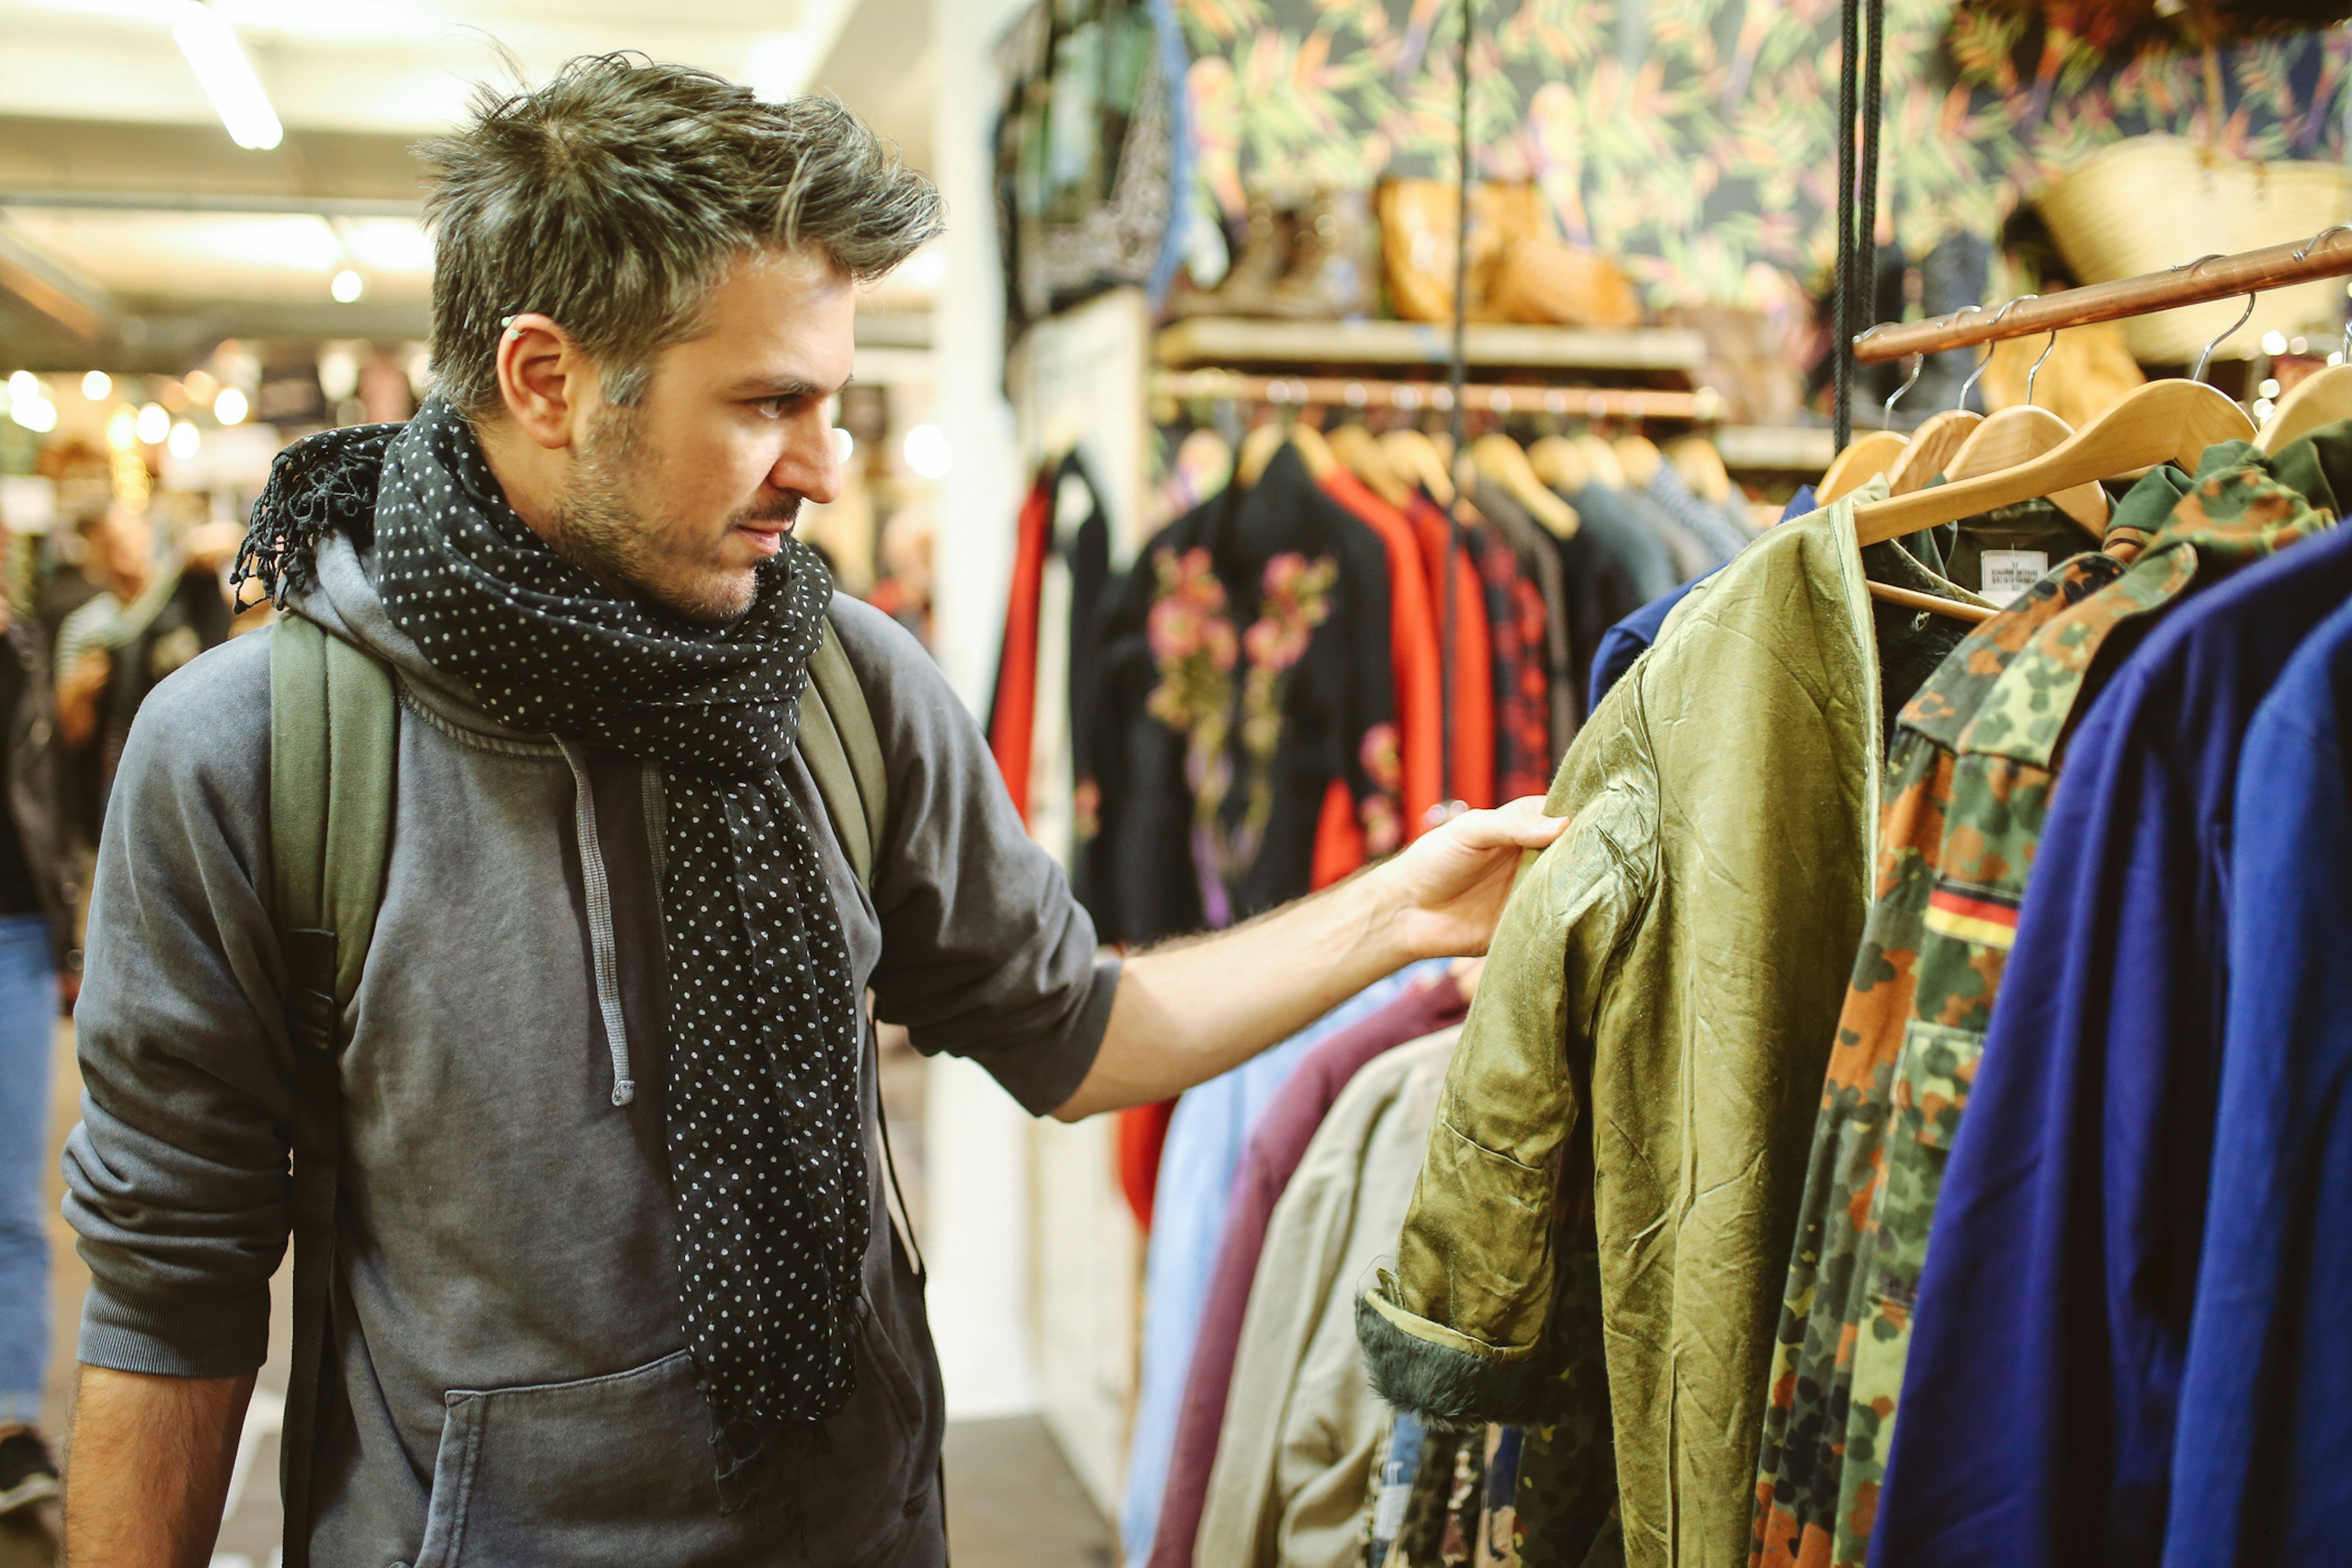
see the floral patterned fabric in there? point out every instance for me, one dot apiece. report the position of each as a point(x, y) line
point(1243, 674)
point(1693, 138)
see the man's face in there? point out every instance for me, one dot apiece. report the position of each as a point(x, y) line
point(681, 497)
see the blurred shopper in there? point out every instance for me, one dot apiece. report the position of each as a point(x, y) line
point(36, 941)
point(616, 1281)
point(150, 616)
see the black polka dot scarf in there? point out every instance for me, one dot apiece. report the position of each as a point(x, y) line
point(765, 1137)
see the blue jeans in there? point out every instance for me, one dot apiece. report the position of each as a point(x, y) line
point(28, 1025)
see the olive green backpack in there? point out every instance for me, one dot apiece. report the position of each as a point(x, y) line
point(334, 726)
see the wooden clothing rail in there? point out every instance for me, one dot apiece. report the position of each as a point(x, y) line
point(2328, 253)
point(1356, 392)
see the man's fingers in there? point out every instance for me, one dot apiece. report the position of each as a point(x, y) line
point(1521, 825)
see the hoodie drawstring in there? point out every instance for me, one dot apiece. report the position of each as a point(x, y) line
point(600, 923)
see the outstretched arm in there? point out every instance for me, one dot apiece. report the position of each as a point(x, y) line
point(1189, 1010)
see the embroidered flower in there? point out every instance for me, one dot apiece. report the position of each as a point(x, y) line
point(1196, 649)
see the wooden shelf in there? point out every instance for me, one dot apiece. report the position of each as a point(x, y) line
point(1785, 448)
point(1238, 341)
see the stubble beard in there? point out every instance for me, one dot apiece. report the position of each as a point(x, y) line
point(664, 561)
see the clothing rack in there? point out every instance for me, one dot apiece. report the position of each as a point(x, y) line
point(2328, 253)
point(1491, 398)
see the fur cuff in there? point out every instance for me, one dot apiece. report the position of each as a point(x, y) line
point(1448, 1389)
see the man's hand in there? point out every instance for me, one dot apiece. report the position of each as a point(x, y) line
point(1187, 1012)
point(1450, 884)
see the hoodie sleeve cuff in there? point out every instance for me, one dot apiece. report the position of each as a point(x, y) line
point(224, 1336)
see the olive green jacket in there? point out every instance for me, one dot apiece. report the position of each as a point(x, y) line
point(1675, 965)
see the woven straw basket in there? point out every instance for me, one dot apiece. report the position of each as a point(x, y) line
point(2154, 201)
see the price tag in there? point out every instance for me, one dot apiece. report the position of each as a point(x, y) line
point(2010, 572)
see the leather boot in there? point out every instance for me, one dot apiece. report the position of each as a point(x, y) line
point(1334, 263)
point(1249, 284)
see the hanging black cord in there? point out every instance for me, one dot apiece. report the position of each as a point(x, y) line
point(1866, 226)
point(1842, 373)
point(1455, 378)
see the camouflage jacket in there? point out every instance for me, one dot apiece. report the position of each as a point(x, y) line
point(1968, 790)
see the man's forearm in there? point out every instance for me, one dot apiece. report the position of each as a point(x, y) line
point(1189, 1011)
point(149, 1468)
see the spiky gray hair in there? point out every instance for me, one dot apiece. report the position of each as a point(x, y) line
point(613, 198)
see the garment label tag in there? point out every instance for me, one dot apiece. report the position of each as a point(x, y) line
point(2009, 572)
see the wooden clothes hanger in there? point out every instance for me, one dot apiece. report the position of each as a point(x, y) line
point(1868, 457)
point(1360, 451)
point(1600, 458)
point(1639, 457)
point(2011, 435)
point(1417, 459)
point(1499, 459)
point(1933, 446)
point(2165, 421)
point(1558, 464)
point(2319, 399)
point(1701, 466)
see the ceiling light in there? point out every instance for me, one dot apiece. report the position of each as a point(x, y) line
point(347, 286)
point(926, 452)
point(229, 407)
point(844, 443)
point(122, 430)
point(96, 385)
point(185, 439)
point(24, 383)
point(227, 75)
point(154, 425)
point(37, 415)
point(339, 372)
point(2274, 344)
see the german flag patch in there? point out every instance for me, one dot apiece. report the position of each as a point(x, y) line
point(1973, 914)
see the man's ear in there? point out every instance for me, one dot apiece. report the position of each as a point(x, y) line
point(544, 380)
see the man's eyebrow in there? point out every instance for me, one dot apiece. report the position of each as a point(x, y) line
point(783, 386)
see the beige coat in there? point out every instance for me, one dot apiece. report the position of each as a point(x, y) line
point(1296, 1454)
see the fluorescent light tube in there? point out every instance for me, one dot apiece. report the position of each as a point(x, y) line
point(226, 77)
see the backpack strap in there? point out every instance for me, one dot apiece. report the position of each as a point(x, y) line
point(333, 726)
point(844, 753)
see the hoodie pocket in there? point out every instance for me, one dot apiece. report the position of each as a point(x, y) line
point(604, 1472)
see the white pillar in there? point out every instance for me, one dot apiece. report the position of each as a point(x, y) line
point(976, 1139)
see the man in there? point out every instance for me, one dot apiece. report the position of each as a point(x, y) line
point(619, 1284)
point(36, 941)
point(148, 618)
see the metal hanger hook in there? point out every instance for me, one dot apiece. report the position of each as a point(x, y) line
point(1954, 317)
point(1886, 409)
point(2243, 317)
point(1977, 374)
point(2036, 369)
point(2313, 243)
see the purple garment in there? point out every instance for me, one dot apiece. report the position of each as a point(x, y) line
point(1279, 1142)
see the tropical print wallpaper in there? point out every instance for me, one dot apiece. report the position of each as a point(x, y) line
point(1693, 138)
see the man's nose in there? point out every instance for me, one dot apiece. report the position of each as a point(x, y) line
point(811, 466)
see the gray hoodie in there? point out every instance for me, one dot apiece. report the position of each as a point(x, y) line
point(515, 1387)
